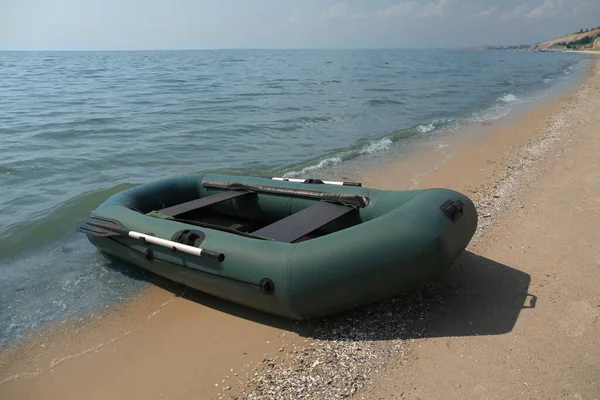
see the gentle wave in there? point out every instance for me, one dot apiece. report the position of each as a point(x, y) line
point(54, 223)
point(436, 124)
point(381, 145)
point(305, 120)
point(496, 111)
point(490, 114)
point(426, 128)
point(508, 98)
point(383, 102)
point(7, 170)
point(371, 147)
point(379, 90)
point(326, 162)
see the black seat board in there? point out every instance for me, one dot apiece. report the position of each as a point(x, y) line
point(303, 222)
point(202, 202)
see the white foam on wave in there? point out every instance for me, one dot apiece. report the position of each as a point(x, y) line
point(327, 162)
point(374, 147)
point(569, 69)
point(490, 114)
point(426, 128)
point(501, 109)
point(547, 80)
point(508, 98)
point(439, 124)
point(370, 148)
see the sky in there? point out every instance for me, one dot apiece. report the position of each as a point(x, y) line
point(214, 24)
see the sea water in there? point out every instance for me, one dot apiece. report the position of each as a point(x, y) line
point(77, 127)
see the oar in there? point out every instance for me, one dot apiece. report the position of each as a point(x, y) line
point(317, 181)
point(100, 226)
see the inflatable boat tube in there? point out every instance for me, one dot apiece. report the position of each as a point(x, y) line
point(300, 249)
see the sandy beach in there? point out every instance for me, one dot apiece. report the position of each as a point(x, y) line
point(517, 315)
point(531, 322)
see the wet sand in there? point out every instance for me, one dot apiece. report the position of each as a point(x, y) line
point(171, 342)
point(480, 333)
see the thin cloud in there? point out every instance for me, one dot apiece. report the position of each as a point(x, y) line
point(486, 13)
point(545, 10)
point(519, 12)
point(413, 9)
point(340, 11)
point(400, 9)
point(337, 10)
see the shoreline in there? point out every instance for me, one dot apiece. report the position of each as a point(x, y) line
point(545, 289)
point(419, 152)
point(596, 52)
point(138, 329)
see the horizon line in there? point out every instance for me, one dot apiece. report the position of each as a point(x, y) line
point(262, 49)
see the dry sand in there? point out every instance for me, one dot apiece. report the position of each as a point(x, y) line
point(516, 316)
point(527, 324)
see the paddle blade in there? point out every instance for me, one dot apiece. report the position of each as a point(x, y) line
point(92, 230)
point(102, 227)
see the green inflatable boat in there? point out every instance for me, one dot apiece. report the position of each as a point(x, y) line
point(300, 249)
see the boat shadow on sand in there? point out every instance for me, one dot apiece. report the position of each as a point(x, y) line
point(477, 296)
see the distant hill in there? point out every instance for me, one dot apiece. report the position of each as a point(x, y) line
point(584, 40)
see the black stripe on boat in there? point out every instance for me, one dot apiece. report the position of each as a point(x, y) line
point(343, 198)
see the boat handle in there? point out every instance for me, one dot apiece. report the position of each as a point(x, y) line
point(174, 246)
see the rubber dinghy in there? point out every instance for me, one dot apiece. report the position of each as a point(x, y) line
point(298, 249)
